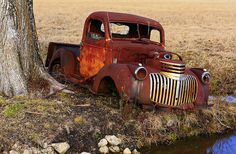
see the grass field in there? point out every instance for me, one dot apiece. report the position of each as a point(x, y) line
point(202, 31)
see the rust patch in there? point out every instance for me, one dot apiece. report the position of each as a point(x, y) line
point(92, 59)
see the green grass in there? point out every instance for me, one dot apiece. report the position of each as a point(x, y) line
point(172, 137)
point(12, 110)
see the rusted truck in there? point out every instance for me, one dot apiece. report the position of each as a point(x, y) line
point(125, 53)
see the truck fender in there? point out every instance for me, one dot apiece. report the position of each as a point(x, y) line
point(66, 59)
point(121, 76)
point(203, 88)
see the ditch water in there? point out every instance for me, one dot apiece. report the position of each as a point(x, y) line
point(213, 144)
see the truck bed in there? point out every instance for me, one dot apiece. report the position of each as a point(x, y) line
point(53, 47)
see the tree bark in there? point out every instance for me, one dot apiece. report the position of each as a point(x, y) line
point(20, 62)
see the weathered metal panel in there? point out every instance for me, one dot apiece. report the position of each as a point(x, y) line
point(92, 59)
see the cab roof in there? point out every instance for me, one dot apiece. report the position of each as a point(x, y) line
point(124, 17)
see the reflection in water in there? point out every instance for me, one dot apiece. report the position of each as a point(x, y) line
point(224, 146)
point(214, 144)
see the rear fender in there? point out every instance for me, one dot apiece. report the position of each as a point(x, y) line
point(67, 60)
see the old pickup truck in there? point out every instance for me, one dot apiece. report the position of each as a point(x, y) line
point(126, 54)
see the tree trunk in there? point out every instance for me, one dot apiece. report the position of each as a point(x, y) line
point(20, 62)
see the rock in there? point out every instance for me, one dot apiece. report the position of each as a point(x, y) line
point(42, 144)
point(170, 123)
point(113, 140)
point(85, 153)
point(127, 151)
point(16, 147)
point(48, 150)
point(102, 143)
point(104, 150)
point(114, 149)
point(61, 148)
point(59, 102)
point(35, 150)
point(28, 151)
point(135, 151)
point(13, 152)
point(67, 129)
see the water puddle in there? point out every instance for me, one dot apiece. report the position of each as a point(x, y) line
point(228, 99)
point(214, 144)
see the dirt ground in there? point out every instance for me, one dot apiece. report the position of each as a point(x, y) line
point(202, 31)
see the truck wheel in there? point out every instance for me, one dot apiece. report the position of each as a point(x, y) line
point(57, 73)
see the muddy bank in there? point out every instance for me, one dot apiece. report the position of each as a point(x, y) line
point(83, 119)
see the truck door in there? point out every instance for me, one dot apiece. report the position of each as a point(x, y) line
point(92, 57)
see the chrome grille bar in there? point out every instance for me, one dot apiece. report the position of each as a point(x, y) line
point(172, 92)
point(172, 67)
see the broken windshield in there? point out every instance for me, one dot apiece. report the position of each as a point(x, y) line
point(121, 30)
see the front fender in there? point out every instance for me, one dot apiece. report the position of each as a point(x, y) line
point(203, 89)
point(121, 74)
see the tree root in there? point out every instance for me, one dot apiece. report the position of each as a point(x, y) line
point(55, 86)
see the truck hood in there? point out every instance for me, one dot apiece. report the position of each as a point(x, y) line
point(127, 50)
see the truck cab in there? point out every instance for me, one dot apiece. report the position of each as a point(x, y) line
point(127, 53)
point(118, 38)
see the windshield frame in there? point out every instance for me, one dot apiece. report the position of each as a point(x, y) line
point(139, 38)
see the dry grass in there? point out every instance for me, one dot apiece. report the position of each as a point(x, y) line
point(202, 31)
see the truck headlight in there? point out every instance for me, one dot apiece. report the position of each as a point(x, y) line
point(206, 76)
point(140, 73)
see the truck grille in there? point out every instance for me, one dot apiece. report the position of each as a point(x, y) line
point(172, 67)
point(171, 92)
